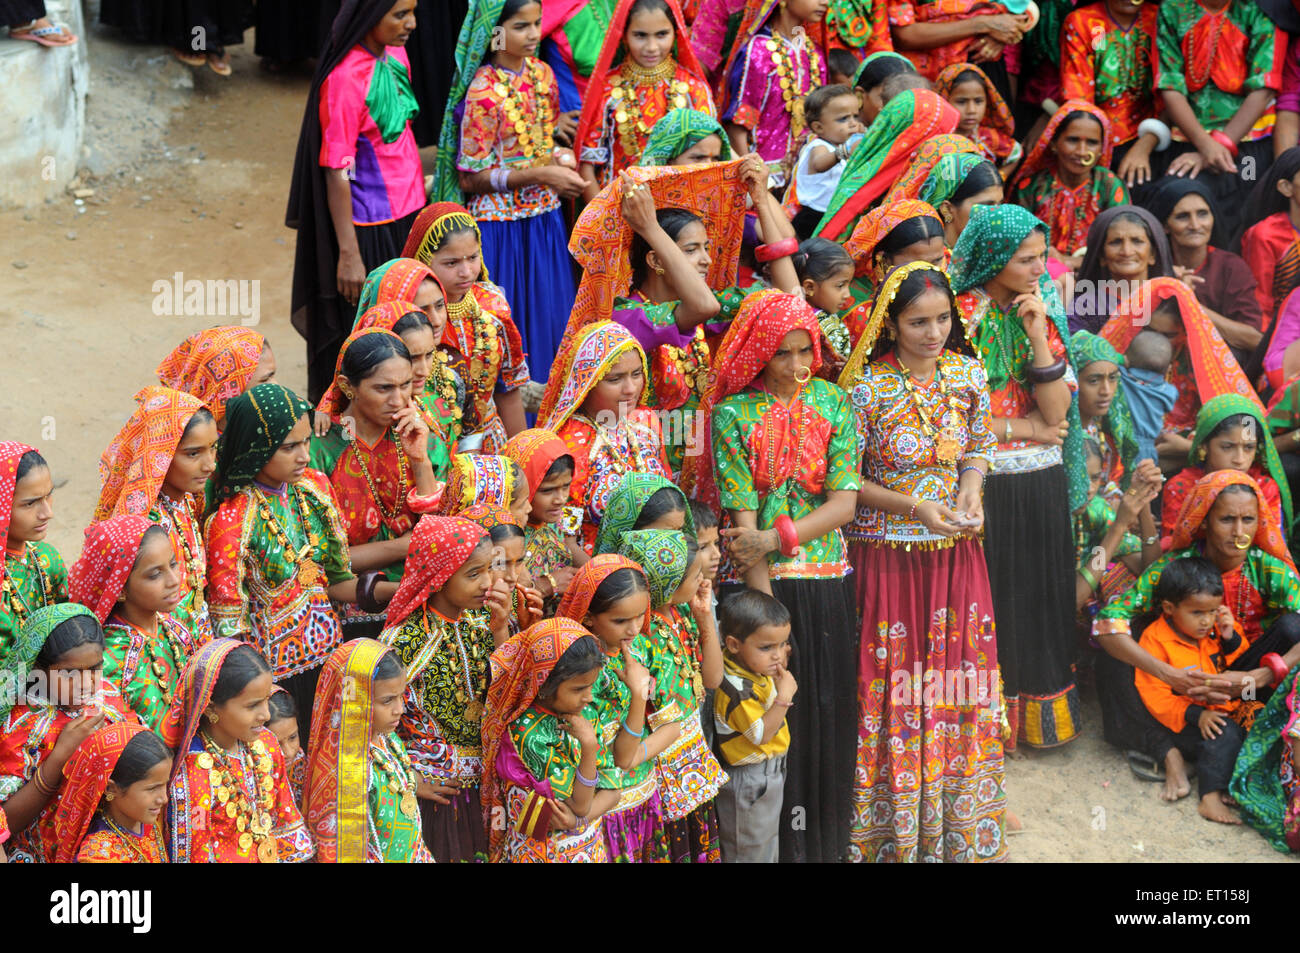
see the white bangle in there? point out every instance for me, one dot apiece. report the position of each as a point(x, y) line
point(1158, 129)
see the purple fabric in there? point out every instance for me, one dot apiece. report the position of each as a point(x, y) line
point(1286, 331)
point(649, 335)
point(632, 833)
point(511, 769)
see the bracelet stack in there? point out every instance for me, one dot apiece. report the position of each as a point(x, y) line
point(786, 532)
point(1043, 375)
point(1277, 665)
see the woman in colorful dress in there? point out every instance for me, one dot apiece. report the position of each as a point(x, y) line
point(783, 468)
point(1101, 404)
point(217, 364)
point(229, 801)
point(647, 68)
point(32, 573)
point(498, 146)
point(52, 698)
point(935, 34)
point(382, 462)
point(596, 405)
point(685, 137)
point(111, 806)
point(922, 404)
point(480, 330)
point(955, 185)
point(158, 467)
point(359, 798)
point(1230, 435)
point(1126, 247)
point(128, 576)
point(1270, 244)
point(985, 117)
point(684, 657)
point(357, 179)
point(1222, 521)
point(540, 750)
point(443, 628)
point(551, 551)
point(277, 552)
point(1066, 180)
point(1014, 319)
point(773, 66)
point(610, 597)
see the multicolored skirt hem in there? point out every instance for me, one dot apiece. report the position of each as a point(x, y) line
point(586, 846)
point(634, 829)
point(695, 838)
point(686, 773)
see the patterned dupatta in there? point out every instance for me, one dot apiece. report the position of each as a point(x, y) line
point(602, 240)
point(258, 422)
point(947, 176)
point(439, 546)
point(333, 402)
point(432, 226)
point(678, 131)
point(534, 451)
point(213, 365)
point(1217, 409)
point(479, 478)
point(86, 777)
point(11, 451)
point(520, 667)
point(1190, 525)
point(134, 466)
point(874, 227)
point(1117, 424)
point(396, 280)
point(998, 129)
point(924, 160)
point(107, 558)
point(661, 554)
point(907, 120)
point(582, 587)
point(193, 695)
point(625, 504)
point(584, 358)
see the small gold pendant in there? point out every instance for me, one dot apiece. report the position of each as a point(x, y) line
point(474, 711)
point(245, 842)
point(268, 852)
point(309, 574)
point(407, 804)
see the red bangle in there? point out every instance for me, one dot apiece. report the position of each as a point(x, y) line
point(1222, 139)
point(786, 532)
point(1275, 664)
point(778, 249)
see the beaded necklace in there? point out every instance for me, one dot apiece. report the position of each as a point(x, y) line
point(471, 663)
point(633, 461)
point(400, 774)
point(131, 840)
point(685, 651)
point(252, 817)
point(482, 361)
point(18, 607)
point(1220, 21)
point(632, 85)
point(160, 670)
point(442, 381)
point(943, 435)
point(399, 502)
point(308, 570)
point(185, 520)
point(790, 74)
point(535, 138)
point(795, 413)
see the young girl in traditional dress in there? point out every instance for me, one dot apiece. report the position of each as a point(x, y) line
point(158, 467)
point(826, 271)
point(684, 657)
point(32, 573)
point(783, 444)
point(128, 576)
point(922, 405)
point(284, 725)
point(230, 798)
point(480, 330)
point(643, 501)
point(1066, 180)
point(647, 68)
point(686, 137)
point(488, 479)
point(52, 698)
point(277, 552)
point(550, 551)
point(955, 185)
point(359, 798)
point(772, 67)
point(540, 800)
point(111, 807)
point(610, 597)
point(498, 145)
point(985, 118)
point(443, 627)
point(595, 403)
point(217, 364)
point(512, 588)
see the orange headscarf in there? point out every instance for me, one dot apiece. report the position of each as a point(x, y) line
point(87, 774)
point(582, 587)
point(1041, 155)
point(334, 402)
point(998, 121)
point(214, 366)
point(922, 163)
point(874, 226)
point(1191, 518)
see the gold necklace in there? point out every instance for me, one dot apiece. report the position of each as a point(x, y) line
point(535, 139)
point(253, 824)
point(18, 606)
point(401, 776)
point(308, 570)
point(626, 96)
point(402, 485)
point(130, 840)
point(790, 77)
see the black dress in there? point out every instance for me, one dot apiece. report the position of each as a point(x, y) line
point(432, 51)
point(292, 30)
point(175, 22)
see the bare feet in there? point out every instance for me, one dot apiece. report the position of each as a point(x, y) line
point(1212, 808)
point(1013, 823)
point(1176, 785)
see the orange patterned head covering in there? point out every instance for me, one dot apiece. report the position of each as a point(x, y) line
point(602, 239)
point(761, 324)
point(1042, 157)
point(214, 366)
point(335, 791)
point(382, 317)
point(11, 451)
point(1190, 525)
point(395, 280)
point(1213, 365)
point(107, 558)
point(136, 462)
point(535, 450)
point(582, 587)
point(908, 185)
point(431, 227)
point(86, 776)
point(439, 546)
point(520, 667)
point(584, 358)
point(489, 516)
point(475, 478)
point(872, 229)
point(334, 402)
point(997, 115)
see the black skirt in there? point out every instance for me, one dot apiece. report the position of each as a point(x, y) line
point(173, 22)
point(823, 721)
point(302, 689)
point(432, 52)
point(1030, 555)
point(21, 12)
point(291, 30)
point(455, 832)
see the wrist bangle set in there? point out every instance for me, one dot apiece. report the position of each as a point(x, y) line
point(786, 532)
point(499, 180)
point(1277, 665)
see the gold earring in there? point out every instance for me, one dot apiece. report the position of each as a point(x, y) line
point(212, 716)
point(108, 795)
point(1200, 453)
point(346, 393)
point(946, 215)
point(659, 271)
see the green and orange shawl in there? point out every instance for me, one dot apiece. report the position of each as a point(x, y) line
point(997, 133)
point(909, 119)
point(923, 162)
point(1117, 425)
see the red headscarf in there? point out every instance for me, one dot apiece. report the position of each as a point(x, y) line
point(582, 587)
point(535, 450)
point(439, 546)
point(430, 228)
point(11, 451)
point(998, 120)
point(86, 777)
point(1042, 157)
point(107, 558)
point(593, 102)
point(396, 280)
point(761, 324)
point(135, 464)
point(1191, 518)
point(520, 667)
point(334, 402)
point(214, 366)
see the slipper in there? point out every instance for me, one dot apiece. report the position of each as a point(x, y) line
point(189, 59)
point(44, 35)
point(1144, 768)
point(218, 67)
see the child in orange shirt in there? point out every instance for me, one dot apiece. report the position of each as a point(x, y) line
point(1195, 631)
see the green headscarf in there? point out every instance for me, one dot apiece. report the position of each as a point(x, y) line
point(472, 47)
point(947, 177)
point(15, 666)
point(662, 554)
point(1256, 783)
point(677, 131)
point(1087, 349)
point(857, 74)
point(257, 421)
point(625, 505)
point(987, 243)
point(1218, 409)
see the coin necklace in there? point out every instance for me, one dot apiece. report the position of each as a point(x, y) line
point(254, 825)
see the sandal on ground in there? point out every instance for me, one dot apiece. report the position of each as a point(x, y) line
point(50, 35)
point(188, 58)
point(1144, 768)
point(217, 66)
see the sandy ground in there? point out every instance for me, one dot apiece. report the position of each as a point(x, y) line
point(191, 173)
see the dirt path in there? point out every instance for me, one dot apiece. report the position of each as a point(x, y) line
point(194, 180)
